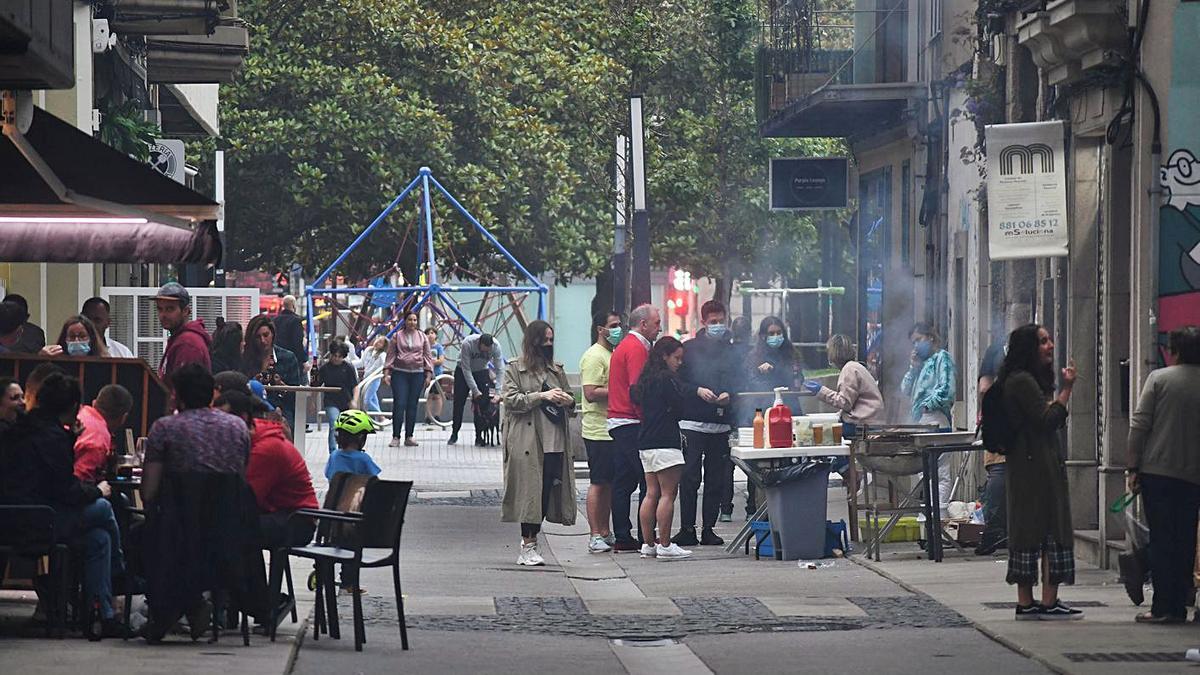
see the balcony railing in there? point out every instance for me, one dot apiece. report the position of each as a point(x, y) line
point(808, 44)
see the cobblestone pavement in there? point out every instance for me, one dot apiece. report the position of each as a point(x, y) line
point(569, 617)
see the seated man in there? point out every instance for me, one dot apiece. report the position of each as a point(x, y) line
point(198, 439)
point(39, 469)
point(280, 480)
point(99, 421)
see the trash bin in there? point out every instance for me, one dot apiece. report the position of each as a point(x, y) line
point(797, 497)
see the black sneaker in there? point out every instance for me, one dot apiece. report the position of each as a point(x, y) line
point(686, 537)
point(710, 538)
point(453, 440)
point(1060, 612)
point(1031, 613)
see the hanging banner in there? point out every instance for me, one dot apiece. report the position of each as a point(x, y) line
point(1026, 190)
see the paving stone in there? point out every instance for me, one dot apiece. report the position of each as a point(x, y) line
point(812, 607)
point(450, 606)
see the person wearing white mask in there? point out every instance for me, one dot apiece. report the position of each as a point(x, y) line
point(77, 338)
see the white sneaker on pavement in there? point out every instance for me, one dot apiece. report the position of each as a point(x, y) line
point(672, 552)
point(610, 539)
point(529, 555)
point(598, 545)
point(648, 551)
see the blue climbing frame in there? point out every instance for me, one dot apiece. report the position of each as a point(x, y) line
point(427, 256)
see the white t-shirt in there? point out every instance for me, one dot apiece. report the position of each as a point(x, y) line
point(118, 350)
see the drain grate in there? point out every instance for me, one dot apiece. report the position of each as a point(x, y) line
point(1125, 657)
point(1013, 605)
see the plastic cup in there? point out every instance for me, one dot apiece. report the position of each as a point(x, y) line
point(818, 432)
point(837, 434)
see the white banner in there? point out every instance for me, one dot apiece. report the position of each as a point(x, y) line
point(1027, 191)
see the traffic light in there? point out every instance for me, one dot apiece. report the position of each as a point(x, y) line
point(679, 293)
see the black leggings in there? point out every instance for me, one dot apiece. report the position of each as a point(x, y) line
point(551, 472)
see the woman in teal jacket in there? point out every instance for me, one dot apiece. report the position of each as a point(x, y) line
point(930, 384)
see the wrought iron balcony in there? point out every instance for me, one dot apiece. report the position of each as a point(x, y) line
point(833, 67)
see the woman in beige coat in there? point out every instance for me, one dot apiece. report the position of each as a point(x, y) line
point(538, 463)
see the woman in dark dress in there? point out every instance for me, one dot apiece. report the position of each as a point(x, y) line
point(1039, 509)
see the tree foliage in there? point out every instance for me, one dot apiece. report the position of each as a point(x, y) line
point(515, 108)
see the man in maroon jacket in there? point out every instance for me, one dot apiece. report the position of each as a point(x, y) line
point(189, 340)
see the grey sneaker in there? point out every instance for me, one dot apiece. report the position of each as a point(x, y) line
point(610, 539)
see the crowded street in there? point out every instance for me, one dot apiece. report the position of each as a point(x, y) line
point(620, 336)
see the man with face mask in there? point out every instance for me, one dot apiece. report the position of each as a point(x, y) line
point(593, 377)
point(708, 364)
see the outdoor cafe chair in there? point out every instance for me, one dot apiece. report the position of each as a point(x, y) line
point(27, 531)
point(376, 525)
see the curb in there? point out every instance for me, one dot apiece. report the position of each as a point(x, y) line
point(294, 652)
point(987, 632)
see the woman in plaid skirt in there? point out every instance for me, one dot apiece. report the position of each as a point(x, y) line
point(1039, 513)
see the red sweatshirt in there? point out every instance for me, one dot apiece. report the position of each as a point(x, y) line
point(623, 371)
point(276, 471)
point(189, 345)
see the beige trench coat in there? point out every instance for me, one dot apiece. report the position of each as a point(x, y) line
point(527, 432)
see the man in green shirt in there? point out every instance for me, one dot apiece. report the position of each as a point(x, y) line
point(593, 374)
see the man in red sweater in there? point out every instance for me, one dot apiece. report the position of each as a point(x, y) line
point(624, 420)
point(99, 421)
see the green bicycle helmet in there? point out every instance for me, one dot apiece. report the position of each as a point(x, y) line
point(354, 422)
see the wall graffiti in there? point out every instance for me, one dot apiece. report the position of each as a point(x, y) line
point(1179, 245)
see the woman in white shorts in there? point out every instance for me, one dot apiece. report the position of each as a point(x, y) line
point(661, 395)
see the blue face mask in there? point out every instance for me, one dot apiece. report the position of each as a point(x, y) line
point(923, 348)
point(774, 341)
point(79, 348)
point(717, 330)
point(614, 335)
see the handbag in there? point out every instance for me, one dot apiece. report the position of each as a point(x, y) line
point(552, 411)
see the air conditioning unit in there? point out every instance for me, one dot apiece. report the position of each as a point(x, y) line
point(37, 46)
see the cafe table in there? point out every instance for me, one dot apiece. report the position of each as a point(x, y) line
point(300, 419)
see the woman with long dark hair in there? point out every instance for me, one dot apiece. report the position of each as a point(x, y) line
point(662, 395)
point(407, 369)
point(271, 365)
point(773, 362)
point(539, 481)
point(1039, 510)
point(227, 346)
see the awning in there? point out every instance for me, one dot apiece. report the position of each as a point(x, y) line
point(67, 197)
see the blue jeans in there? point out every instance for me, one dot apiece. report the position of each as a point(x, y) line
point(101, 541)
point(406, 395)
point(371, 396)
point(331, 415)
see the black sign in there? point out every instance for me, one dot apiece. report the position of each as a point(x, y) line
point(809, 183)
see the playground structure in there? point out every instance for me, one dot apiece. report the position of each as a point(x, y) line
point(496, 307)
point(782, 294)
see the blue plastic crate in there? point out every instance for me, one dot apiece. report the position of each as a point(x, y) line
point(762, 537)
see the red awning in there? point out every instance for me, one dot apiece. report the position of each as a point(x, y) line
point(67, 197)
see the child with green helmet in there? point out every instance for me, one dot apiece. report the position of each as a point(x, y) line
point(352, 427)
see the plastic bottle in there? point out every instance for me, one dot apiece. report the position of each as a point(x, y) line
point(779, 421)
point(759, 429)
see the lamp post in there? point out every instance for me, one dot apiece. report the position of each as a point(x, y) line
point(620, 257)
point(640, 291)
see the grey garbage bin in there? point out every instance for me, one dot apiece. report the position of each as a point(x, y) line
point(797, 503)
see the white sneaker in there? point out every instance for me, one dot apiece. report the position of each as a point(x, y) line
point(598, 545)
point(672, 552)
point(611, 539)
point(529, 555)
point(648, 551)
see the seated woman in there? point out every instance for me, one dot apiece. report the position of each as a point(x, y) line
point(78, 337)
point(39, 469)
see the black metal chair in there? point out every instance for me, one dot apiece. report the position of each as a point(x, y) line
point(27, 531)
point(339, 497)
point(378, 525)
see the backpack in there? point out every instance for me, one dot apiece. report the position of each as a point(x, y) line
point(996, 429)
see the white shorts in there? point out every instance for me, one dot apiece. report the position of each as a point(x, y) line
point(661, 458)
